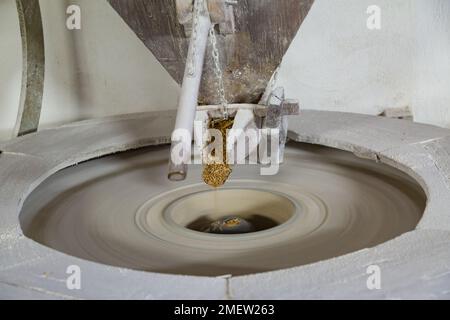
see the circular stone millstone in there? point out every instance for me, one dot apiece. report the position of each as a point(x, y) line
point(122, 211)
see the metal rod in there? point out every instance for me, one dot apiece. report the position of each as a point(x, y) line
point(188, 101)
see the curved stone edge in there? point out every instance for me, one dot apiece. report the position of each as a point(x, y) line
point(43, 272)
point(429, 164)
point(31, 270)
point(74, 143)
point(419, 150)
point(415, 265)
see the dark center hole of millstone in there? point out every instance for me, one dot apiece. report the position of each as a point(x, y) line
point(232, 224)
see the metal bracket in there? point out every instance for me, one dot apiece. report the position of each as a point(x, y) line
point(276, 117)
point(271, 116)
point(221, 12)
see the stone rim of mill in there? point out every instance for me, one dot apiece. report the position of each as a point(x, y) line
point(32, 270)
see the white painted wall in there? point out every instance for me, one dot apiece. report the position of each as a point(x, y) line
point(10, 67)
point(431, 60)
point(335, 62)
point(100, 70)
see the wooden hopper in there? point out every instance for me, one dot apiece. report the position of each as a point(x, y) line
point(264, 29)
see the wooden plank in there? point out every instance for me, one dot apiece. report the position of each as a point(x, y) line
point(264, 31)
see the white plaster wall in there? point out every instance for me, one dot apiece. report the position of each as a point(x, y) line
point(10, 66)
point(431, 90)
point(100, 70)
point(335, 62)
